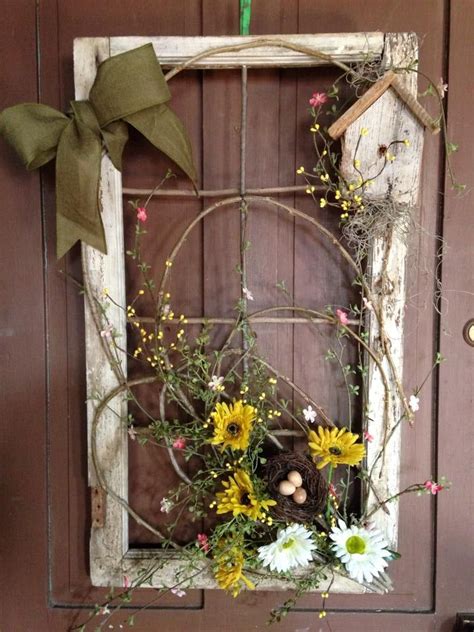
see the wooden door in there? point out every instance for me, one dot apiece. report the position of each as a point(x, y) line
point(46, 519)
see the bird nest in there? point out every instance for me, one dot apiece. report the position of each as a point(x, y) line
point(277, 470)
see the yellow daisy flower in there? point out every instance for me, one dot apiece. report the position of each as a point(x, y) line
point(233, 425)
point(229, 574)
point(335, 446)
point(239, 498)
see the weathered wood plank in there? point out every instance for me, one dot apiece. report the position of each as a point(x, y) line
point(173, 51)
point(387, 120)
point(105, 272)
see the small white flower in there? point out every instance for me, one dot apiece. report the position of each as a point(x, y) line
point(247, 293)
point(178, 592)
point(104, 610)
point(132, 433)
point(361, 550)
point(368, 304)
point(309, 414)
point(216, 383)
point(293, 547)
point(166, 309)
point(442, 87)
point(414, 403)
point(166, 505)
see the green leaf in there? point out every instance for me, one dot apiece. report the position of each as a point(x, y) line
point(451, 148)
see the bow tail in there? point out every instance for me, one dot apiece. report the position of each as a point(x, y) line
point(160, 125)
point(78, 208)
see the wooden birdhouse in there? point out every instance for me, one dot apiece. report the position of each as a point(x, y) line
point(382, 137)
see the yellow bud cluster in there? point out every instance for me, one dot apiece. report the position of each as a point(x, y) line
point(300, 170)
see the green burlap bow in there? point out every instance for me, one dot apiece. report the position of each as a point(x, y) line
point(129, 88)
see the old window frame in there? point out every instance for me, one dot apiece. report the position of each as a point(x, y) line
point(110, 555)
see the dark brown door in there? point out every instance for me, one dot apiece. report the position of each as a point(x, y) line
point(45, 520)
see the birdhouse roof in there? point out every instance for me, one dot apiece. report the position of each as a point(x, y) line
point(389, 80)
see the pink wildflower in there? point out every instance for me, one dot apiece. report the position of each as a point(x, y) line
point(342, 316)
point(433, 487)
point(142, 214)
point(132, 433)
point(178, 591)
point(107, 331)
point(126, 582)
point(367, 436)
point(318, 98)
point(203, 542)
point(179, 443)
point(332, 491)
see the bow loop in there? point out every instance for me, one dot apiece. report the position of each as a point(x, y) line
point(129, 88)
point(123, 85)
point(33, 130)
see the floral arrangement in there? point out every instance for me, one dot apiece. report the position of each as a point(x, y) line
point(250, 484)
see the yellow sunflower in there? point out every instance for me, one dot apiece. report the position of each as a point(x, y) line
point(335, 446)
point(229, 574)
point(233, 425)
point(239, 498)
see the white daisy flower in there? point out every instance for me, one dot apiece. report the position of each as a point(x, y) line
point(309, 414)
point(414, 403)
point(362, 551)
point(293, 547)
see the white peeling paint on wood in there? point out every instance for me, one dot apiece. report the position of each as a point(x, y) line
point(172, 573)
point(173, 51)
point(388, 119)
point(109, 543)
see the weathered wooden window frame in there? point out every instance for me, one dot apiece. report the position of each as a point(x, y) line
point(110, 555)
